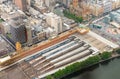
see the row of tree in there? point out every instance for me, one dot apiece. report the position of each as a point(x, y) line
point(117, 50)
point(70, 15)
point(80, 65)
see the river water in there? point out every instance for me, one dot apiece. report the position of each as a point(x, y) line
point(109, 70)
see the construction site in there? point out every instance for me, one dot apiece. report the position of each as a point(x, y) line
point(49, 56)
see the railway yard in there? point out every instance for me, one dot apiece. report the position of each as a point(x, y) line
point(56, 56)
point(57, 53)
point(74, 48)
point(49, 36)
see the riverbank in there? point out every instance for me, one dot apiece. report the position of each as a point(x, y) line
point(61, 74)
point(107, 70)
point(93, 66)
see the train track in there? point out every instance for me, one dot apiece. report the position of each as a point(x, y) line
point(42, 46)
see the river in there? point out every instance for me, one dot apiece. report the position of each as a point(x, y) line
point(108, 70)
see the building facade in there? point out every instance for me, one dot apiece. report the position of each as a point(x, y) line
point(18, 33)
point(21, 4)
point(55, 22)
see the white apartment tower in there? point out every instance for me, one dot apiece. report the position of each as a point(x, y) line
point(55, 22)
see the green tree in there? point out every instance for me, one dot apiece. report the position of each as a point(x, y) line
point(90, 61)
point(80, 65)
point(70, 15)
point(49, 77)
point(117, 50)
point(105, 55)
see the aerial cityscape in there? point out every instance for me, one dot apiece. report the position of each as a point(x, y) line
point(59, 39)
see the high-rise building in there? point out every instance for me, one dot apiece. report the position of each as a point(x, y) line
point(55, 22)
point(75, 3)
point(65, 2)
point(29, 35)
point(1, 1)
point(4, 28)
point(47, 3)
point(22, 4)
point(29, 2)
point(18, 32)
